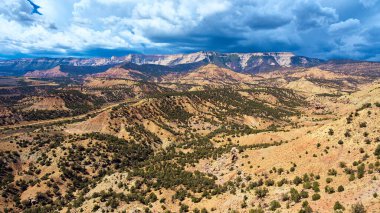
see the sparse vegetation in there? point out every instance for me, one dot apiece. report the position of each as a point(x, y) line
point(174, 147)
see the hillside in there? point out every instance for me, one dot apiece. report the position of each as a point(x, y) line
point(192, 137)
point(50, 73)
point(119, 72)
point(208, 75)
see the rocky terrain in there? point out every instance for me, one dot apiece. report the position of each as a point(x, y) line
point(201, 132)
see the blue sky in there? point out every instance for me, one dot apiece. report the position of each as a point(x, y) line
point(317, 28)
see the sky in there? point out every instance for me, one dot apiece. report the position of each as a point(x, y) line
point(328, 29)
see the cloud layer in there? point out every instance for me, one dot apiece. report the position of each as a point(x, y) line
point(317, 28)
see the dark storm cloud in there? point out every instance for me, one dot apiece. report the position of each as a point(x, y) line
point(230, 30)
point(18, 11)
point(305, 27)
point(311, 15)
point(372, 35)
point(95, 52)
point(267, 21)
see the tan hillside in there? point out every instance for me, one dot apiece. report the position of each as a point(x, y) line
point(306, 86)
point(317, 73)
point(47, 103)
point(96, 124)
point(211, 74)
point(119, 72)
point(92, 82)
point(51, 73)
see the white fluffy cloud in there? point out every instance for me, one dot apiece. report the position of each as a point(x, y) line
point(346, 26)
point(369, 3)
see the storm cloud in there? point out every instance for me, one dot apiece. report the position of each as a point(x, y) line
point(318, 28)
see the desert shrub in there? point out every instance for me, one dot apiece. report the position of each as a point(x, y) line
point(297, 180)
point(316, 186)
point(184, 208)
point(258, 210)
point(294, 195)
point(332, 172)
point(347, 134)
point(331, 132)
point(280, 171)
point(361, 171)
point(329, 189)
point(315, 197)
point(349, 119)
point(352, 177)
point(274, 205)
point(304, 194)
point(358, 208)
point(306, 178)
point(329, 180)
point(269, 182)
point(282, 182)
point(285, 197)
point(203, 210)
point(95, 208)
point(338, 206)
point(261, 192)
point(342, 165)
point(180, 194)
point(307, 185)
point(340, 188)
point(306, 208)
point(377, 151)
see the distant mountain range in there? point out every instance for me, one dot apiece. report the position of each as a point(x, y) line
point(158, 65)
point(239, 62)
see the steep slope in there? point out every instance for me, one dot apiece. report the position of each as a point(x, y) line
point(306, 86)
point(201, 111)
point(316, 73)
point(119, 72)
point(50, 73)
point(358, 68)
point(210, 74)
point(47, 103)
